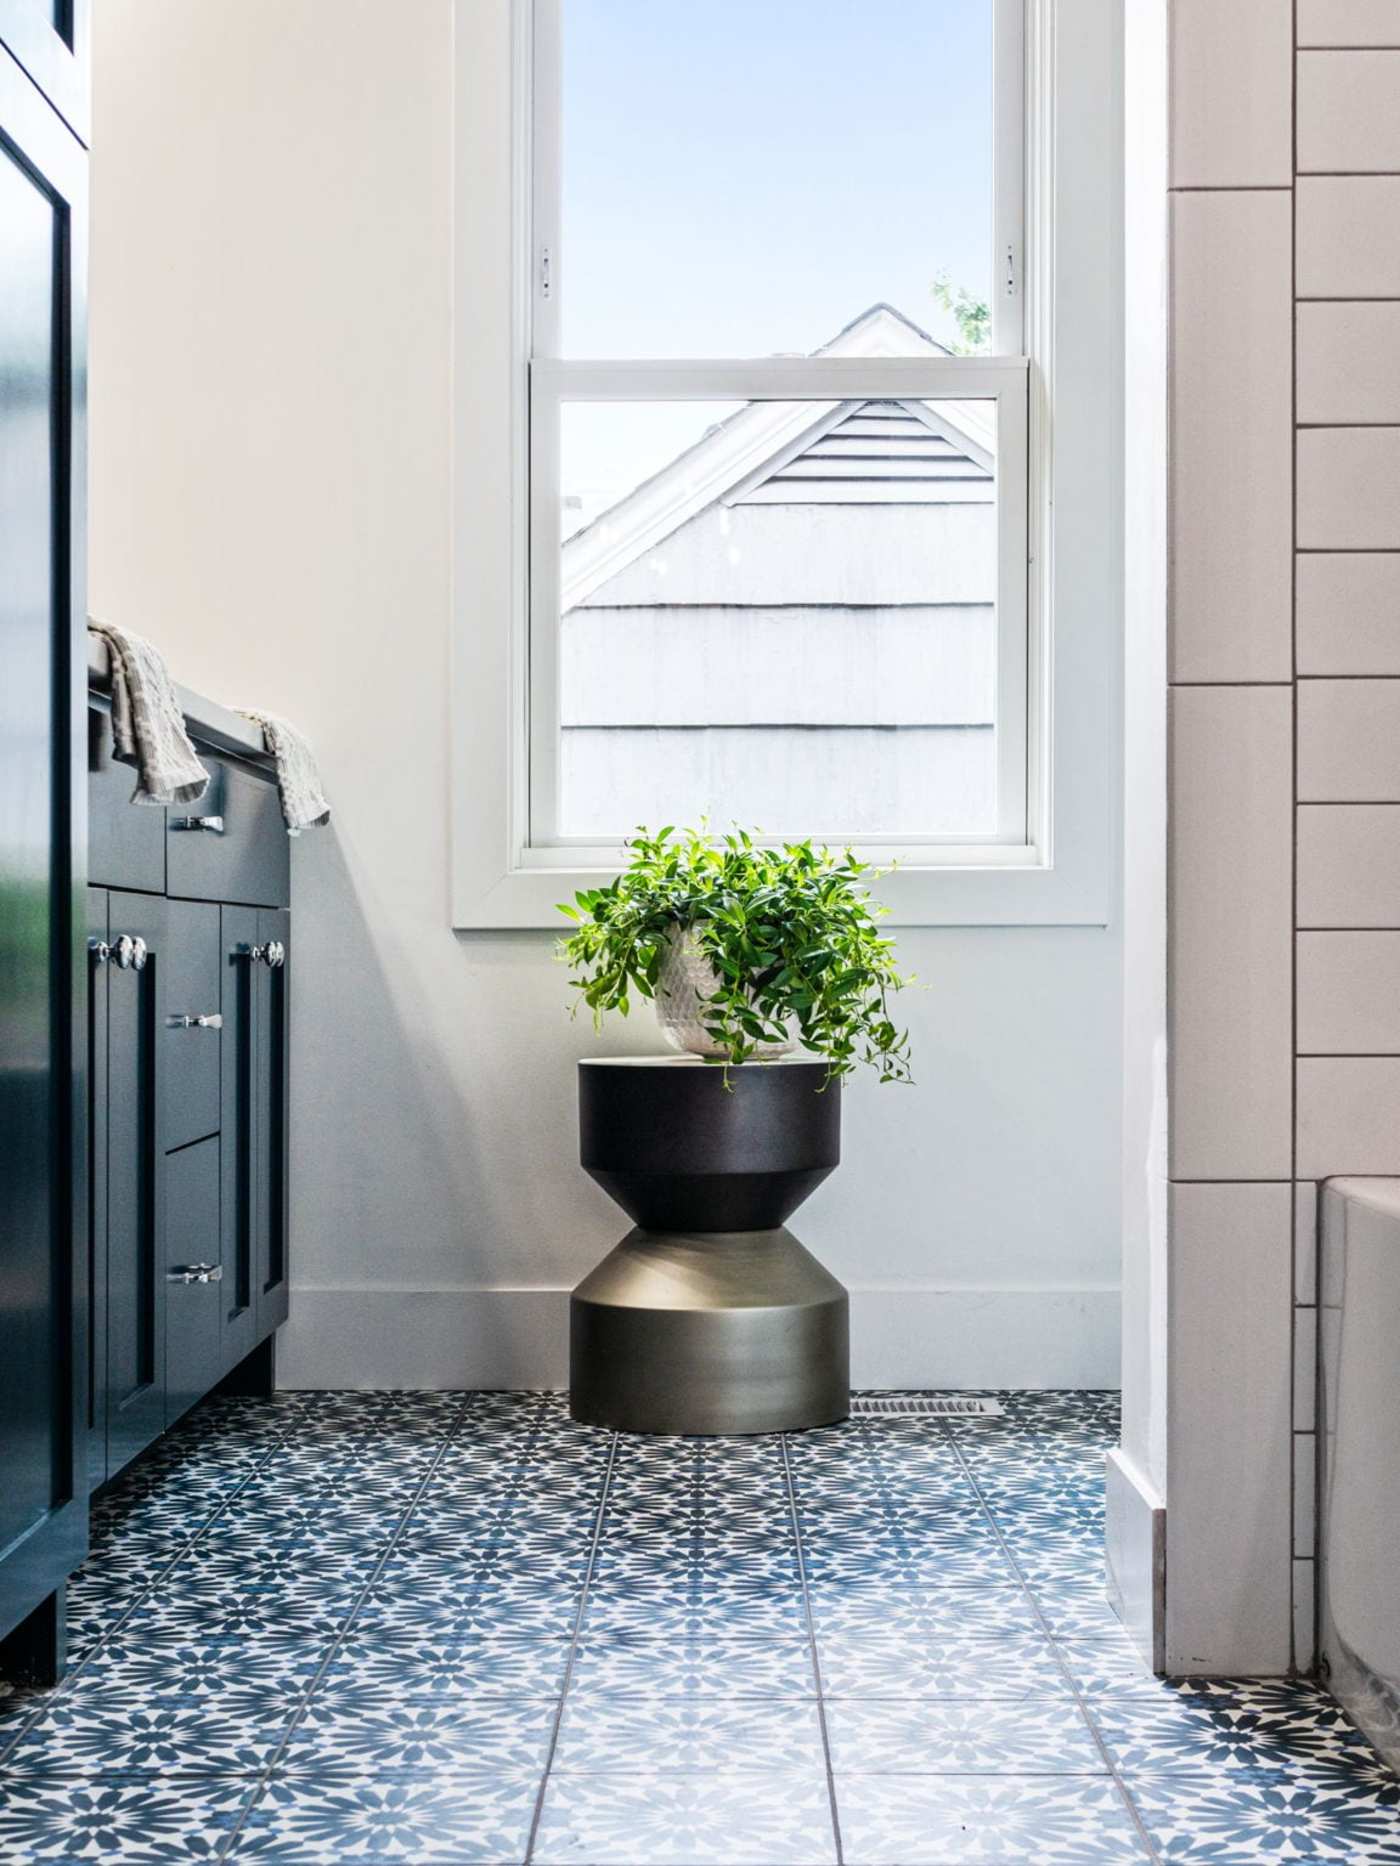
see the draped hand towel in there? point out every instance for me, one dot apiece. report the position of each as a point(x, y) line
point(148, 727)
point(298, 779)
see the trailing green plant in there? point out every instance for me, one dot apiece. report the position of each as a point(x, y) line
point(791, 933)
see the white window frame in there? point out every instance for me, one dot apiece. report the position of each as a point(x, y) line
point(1053, 861)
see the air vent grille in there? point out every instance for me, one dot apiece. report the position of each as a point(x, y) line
point(922, 1406)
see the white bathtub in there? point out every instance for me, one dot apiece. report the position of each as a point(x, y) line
point(1359, 1451)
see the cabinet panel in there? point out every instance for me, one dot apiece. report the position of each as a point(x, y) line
point(95, 1412)
point(240, 853)
point(43, 1148)
point(193, 1275)
point(238, 1161)
point(126, 841)
point(135, 1185)
point(272, 993)
point(188, 977)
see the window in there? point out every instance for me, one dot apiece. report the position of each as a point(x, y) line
point(760, 316)
point(778, 540)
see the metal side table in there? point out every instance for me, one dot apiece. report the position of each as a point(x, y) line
point(709, 1316)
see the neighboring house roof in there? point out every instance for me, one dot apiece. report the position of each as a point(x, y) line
point(869, 452)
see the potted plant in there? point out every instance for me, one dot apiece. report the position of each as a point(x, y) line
point(746, 949)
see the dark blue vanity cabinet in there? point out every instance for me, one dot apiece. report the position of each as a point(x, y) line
point(43, 1039)
point(189, 944)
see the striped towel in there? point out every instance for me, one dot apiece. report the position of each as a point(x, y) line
point(148, 726)
point(298, 779)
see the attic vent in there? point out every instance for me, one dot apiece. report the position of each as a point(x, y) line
point(921, 1406)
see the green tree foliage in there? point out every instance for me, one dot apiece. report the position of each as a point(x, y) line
point(973, 316)
point(791, 933)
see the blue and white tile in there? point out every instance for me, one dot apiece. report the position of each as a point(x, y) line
point(461, 1818)
point(1261, 1817)
point(117, 1733)
point(1044, 1736)
point(861, 1666)
point(736, 1668)
point(931, 1614)
point(138, 1819)
point(665, 1820)
point(759, 1612)
point(1280, 1729)
point(178, 1668)
point(690, 1735)
point(355, 1728)
point(932, 1820)
point(414, 1666)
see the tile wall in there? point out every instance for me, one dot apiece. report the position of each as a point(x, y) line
point(1284, 661)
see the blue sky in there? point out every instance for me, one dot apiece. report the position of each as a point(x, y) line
point(743, 177)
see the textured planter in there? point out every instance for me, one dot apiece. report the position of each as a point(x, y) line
point(685, 980)
point(709, 1316)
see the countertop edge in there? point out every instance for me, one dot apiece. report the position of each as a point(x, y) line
point(208, 722)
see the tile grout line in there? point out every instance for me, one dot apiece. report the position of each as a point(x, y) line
point(812, 1644)
point(1081, 1703)
point(54, 1693)
point(568, 1679)
point(303, 1701)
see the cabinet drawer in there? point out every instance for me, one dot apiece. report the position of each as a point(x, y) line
point(187, 971)
point(232, 844)
point(193, 1275)
point(126, 840)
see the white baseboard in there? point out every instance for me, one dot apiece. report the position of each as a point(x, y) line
point(1135, 1535)
point(900, 1337)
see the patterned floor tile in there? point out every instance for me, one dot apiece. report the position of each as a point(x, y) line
point(179, 1668)
point(413, 1666)
point(690, 1735)
point(481, 1816)
point(140, 1821)
point(1045, 1736)
point(855, 1665)
point(117, 1733)
point(760, 1612)
point(948, 1820)
point(730, 1668)
point(356, 1728)
point(929, 1615)
point(659, 1820)
point(1248, 1818)
point(1280, 1729)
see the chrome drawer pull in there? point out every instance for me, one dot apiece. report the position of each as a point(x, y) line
point(196, 1273)
point(203, 1020)
point(214, 825)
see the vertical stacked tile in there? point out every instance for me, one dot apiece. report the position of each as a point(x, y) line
point(1230, 1451)
point(1348, 640)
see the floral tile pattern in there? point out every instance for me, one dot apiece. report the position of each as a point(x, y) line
point(458, 1627)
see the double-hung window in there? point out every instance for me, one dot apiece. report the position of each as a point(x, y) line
point(780, 442)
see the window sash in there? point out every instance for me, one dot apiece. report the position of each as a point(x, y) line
point(1003, 380)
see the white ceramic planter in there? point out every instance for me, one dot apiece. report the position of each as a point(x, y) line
point(685, 980)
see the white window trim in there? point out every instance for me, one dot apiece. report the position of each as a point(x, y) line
point(1066, 872)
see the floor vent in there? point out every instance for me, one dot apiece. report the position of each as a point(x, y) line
point(921, 1406)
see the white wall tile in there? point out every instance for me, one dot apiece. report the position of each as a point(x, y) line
point(1348, 615)
point(1348, 22)
point(1348, 112)
point(1230, 941)
point(1349, 865)
point(1348, 1115)
point(1231, 488)
point(1229, 1407)
point(1348, 236)
point(1304, 1615)
point(1348, 362)
point(1305, 1494)
point(1349, 741)
point(1348, 994)
point(1304, 1373)
point(1305, 1241)
point(1348, 488)
point(1231, 94)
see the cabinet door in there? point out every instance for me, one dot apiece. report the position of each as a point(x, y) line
point(190, 1018)
point(272, 995)
point(99, 954)
point(239, 990)
point(43, 1039)
point(135, 1181)
point(193, 1275)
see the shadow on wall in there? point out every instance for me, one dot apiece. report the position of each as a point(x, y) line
point(439, 1215)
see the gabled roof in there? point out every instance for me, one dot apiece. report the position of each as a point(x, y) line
point(770, 452)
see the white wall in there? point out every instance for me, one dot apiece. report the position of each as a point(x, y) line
point(271, 502)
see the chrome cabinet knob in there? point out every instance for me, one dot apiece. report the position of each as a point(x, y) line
point(196, 1020)
point(196, 1273)
point(139, 951)
point(212, 825)
point(124, 951)
point(275, 953)
point(100, 950)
